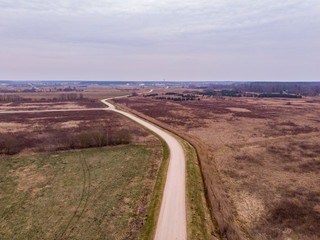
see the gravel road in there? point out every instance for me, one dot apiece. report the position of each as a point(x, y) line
point(172, 219)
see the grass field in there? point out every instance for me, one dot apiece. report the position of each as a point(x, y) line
point(85, 194)
point(264, 153)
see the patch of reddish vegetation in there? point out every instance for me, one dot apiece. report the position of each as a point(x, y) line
point(48, 131)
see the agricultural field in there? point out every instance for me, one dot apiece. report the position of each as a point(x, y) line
point(262, 152)
point(74, 174)
point(84, 194)
point(92, 92)
point(49, 105)
point(100, 92)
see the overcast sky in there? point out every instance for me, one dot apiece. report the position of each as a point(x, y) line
point(176, 40)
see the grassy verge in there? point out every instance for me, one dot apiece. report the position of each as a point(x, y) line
point(199, 222)
point(87, 194)
point(149, 226)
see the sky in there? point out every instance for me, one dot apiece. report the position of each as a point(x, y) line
point(155, 40)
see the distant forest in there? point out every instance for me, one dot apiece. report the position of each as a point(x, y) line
point(296, 88)
point(239, 88)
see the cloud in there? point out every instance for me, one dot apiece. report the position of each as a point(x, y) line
point(241, 32)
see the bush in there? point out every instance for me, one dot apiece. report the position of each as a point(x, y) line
point(95, 138)
point(122, 137)
point(99, 138)
point(85, 140)
point(9, 144)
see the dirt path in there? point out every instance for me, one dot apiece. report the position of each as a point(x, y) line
point(172, 219)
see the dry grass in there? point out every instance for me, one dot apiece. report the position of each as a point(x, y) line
point(50, 131)
point(262, 164)
point(49, 105)
point(95, 92)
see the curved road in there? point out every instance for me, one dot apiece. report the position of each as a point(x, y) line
point(172, 219)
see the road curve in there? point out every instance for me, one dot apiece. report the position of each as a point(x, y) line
point(172, 218)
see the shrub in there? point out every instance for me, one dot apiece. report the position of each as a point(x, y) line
point(122, 137)
point(99, 138)
point(85, 140)
point(9, 144)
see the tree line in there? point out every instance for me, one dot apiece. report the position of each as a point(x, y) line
point(293, 88)
point(12, 144)
point(60, 97)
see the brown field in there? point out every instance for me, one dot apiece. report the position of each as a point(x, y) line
point(100, 92)
point(50, 131)
point(260, 160)
point(90, 91)
point(49, 105)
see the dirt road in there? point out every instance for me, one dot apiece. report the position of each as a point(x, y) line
point(172, 219)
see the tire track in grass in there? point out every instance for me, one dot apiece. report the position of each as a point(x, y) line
point(83, 200)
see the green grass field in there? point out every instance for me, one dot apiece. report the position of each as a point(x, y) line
point(88, 194)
